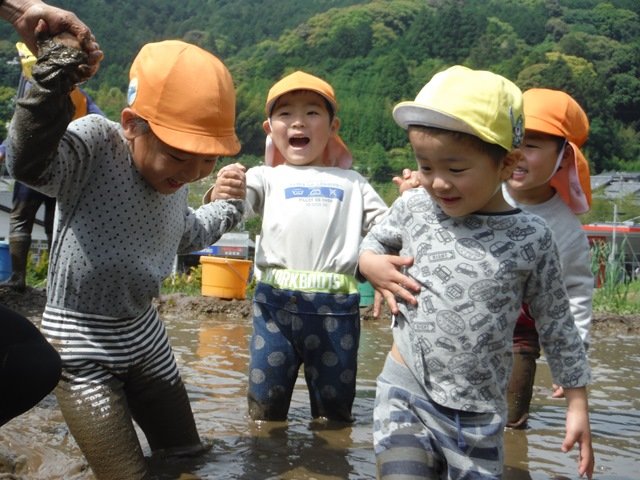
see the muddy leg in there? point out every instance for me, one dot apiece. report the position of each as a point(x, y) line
point(162, 410)
point(520, 389)
point(99, 420)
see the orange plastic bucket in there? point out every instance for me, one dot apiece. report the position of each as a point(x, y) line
point(225, 277)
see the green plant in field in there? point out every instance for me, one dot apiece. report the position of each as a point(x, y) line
point(615, 292)
point(189, 283)
point(37, 270)
point(251, 287)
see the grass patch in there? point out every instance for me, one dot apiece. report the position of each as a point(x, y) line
point(189, 283)
point(616, 292)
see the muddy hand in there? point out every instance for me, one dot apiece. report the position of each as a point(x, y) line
point(87, 45)
point(34, 18)
point(61, 64)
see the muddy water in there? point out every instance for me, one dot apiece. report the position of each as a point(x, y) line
point(213, 356)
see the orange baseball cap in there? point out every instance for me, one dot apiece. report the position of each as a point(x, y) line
point(336, 153)
point(556, 113)
point(300, 81)
point(187, 96)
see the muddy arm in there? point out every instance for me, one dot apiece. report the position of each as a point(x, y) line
point(42, 116)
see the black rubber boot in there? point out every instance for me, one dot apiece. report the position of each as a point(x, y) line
point(520, 389)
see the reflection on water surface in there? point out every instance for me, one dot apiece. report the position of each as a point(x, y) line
point(213, 356)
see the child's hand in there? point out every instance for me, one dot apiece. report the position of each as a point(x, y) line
point(61, 65)
point(408, 180)
point(579, 430)
point(230, 183)
point(558, 391)
point(383, 272)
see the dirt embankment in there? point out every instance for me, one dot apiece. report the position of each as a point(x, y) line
point(31, 304)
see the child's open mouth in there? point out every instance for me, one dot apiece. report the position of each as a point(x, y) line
point(298, 141)
point(174, 183)
point(519, 173)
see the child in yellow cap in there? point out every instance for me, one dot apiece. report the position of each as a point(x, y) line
point(551, 181)
point(471, 260)
point(122, 216)
point(314, 211)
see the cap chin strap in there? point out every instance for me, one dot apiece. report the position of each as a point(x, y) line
point(272, 156)
point(558, 160)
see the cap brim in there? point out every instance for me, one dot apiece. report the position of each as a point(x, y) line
point(194, 143)
point(271, 102)
point(409, 113)
point(533, 123)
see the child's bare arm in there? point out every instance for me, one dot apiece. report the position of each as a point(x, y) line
point(383, 272)
point(230, 183)
point(579, 430)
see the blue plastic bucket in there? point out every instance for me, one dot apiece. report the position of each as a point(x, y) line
point(366, 294)
point(5, 261)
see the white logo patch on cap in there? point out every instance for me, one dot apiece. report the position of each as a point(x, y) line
point(132, 91)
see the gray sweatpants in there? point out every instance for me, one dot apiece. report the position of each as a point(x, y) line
point(415, 438)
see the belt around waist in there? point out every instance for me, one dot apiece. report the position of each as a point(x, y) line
point(309, 281)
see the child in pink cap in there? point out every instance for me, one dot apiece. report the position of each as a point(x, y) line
point(314, 212)
point(551, 181)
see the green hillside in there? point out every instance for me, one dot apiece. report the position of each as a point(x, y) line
point(378, 52)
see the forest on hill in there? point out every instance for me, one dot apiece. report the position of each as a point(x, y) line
point(376, 53)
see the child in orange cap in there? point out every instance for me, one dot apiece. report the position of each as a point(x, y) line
point(471, 260)
point(122, 216)
point(551, 181)
point(314, 212)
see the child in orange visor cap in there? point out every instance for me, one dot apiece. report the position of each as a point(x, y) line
point(314, 211)
point(552, 181)
point(123, 217)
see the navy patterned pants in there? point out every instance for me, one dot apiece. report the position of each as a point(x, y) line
point(291, 328)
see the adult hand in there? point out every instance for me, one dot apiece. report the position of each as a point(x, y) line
point(34, 19)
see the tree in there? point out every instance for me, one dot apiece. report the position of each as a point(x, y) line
point(7, 96)
point(351, 36)
point(624, 99)
point(378, 165)
point(454, 31)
